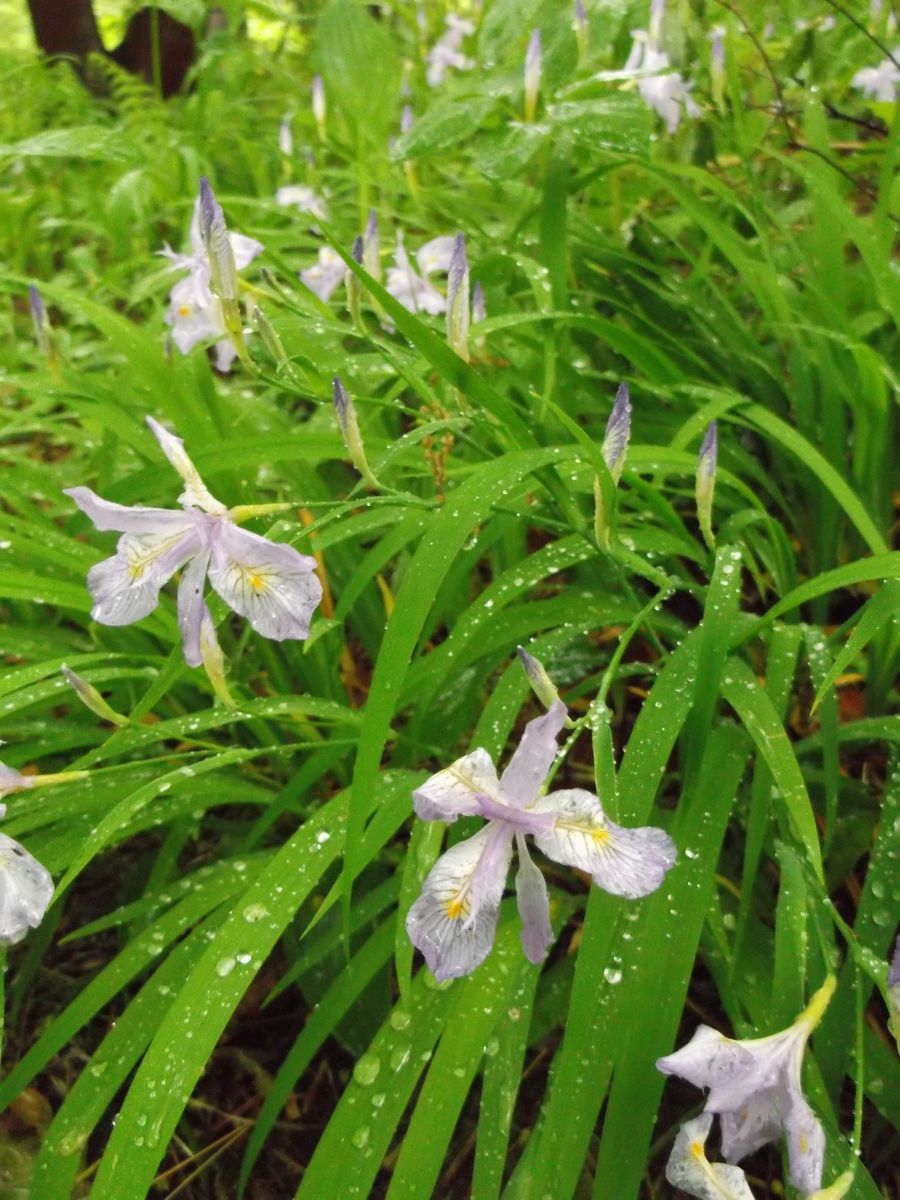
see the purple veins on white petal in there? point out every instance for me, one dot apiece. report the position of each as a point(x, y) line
point(270, 583)
point(456, 791)
point(454, 919)
point(625, 862)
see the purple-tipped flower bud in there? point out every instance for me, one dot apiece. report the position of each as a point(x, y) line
point(407, 120)
point(541, 683)
point(40, 321)
point(532, 74)
point(223, 273)
point(458, 299)
point(371, 258)
point(893, 982)
point(706, 482)
point(613, 451)
point(91, 698)
point(618, 431)
point(352, 284)
point(349, 426)
point(580, 26)
point(318, 104)
point(717, 63)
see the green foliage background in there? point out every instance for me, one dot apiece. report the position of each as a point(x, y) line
point(227, 937)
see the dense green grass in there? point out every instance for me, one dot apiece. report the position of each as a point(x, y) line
point(223, 989)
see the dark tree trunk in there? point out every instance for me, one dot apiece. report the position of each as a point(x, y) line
point(68, 28)
point(65, 27)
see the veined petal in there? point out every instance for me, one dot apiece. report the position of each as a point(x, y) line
point(107, 515)
point(125, 588)
point(454, 792)
point(625, 862)
point(688, 1167)
point(534, 906)
point(755, 1123)
point(533, 757)
point(196, 493)
point(25, 891)
point(12, 780)
point(806, 1145)
point(454, 919)
point(191, 607)
point(271, 584)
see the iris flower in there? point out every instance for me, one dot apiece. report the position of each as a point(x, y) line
point(447, 51)
point(754, 1086)
point(414, 291)
point(326, 275)
point(454, 919)
point(878, 83)
point(269, 583)
point(661, 89)
point(194, 312)
point(26, 887)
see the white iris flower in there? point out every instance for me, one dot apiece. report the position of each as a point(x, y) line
point(454, 919)
point(754, 1086)
point(269, 583)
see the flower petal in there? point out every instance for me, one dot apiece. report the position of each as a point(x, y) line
point(708, 1060)
point(806, 1145)
point(191, 607)
point(688, 1167)
point(107, 515)
point(454, 919)
point(244, 249)
point(436, 255)
point(125, 588)
point(534, 906)
point(625, 862)
point(533, 757)
point(271, 584)
point(195, 494)
point(26, 889)
point(754, 1123)
point(454, 792)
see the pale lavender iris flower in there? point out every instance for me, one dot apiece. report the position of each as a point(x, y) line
point(446, 54)
point(326, 274)
point(194, 313)
point(269, 583)
point(878, 83)
point(416, 291)
point(663, 90)
point(755, 1087)
point(454, 919)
